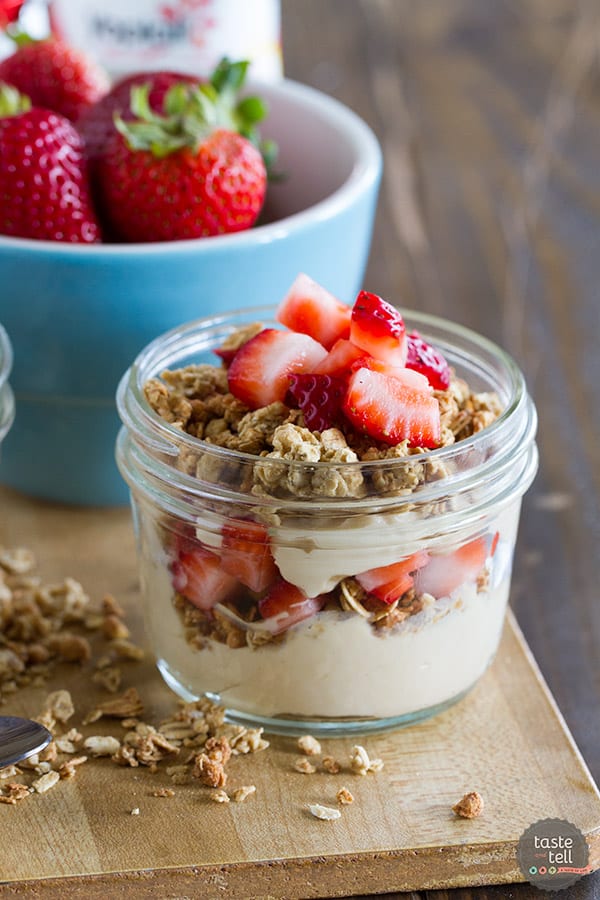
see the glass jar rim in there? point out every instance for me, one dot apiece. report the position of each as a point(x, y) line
point(513, 431)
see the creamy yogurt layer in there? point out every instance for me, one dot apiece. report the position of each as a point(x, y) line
point(354, 671)
point(316, 560)
point(336, 664)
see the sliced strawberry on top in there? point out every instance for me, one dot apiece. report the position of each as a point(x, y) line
point(285, 605)
point(388, 583)
point(424, 358)
point(407, 376)
point(259, 372)
point(446, 572)
point(310, 309)
point(246, 553)
point(392, 411)
point(320, 398)
point(340, 358)
point(377, 327)
point(199, 576)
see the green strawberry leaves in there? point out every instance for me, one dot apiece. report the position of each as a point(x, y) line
point(191, 113)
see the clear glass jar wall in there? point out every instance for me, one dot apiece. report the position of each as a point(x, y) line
point(7, 405)
point(446, 521)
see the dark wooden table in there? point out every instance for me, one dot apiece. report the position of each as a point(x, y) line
point(488, 112)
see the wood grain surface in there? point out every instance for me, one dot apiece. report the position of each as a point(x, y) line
point(488, 112)
point(506, 739)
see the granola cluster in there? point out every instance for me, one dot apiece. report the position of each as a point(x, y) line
point(45, 624)
point(42, 625)
point(195, 743)
point(470, 806)
point(196, 400)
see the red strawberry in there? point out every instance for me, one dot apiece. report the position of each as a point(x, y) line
point(378, 328)
point(9, 11)
point(340, 358)
point(387, 583)
point(177, 177)
point(260, 370)
point(96, 123)
point(285, 605)
point(55, 76)
point(44, 192)
point(226, 354)
point(320, 398)
point(424, 358)
point(391, 411)
point(199, 576)
point(446, 572)
point(245, 553)
point(407, 376)
point(311, 309)
point(494, 543)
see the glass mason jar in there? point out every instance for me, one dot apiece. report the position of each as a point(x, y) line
point(7, 403)
point(329, 663)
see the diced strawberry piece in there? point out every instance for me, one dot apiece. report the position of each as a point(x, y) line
point(246, 553)
point(226, 354)
point(391, 411)
point(494, 543)
point(200, 577)
point(424, 358)
point(377, 327)
point(259, 372)
point(407, 376)
point(340, 358)
point(387, 583)
point(310, 309)
point(285, 605)
point(320, 398)
point(446, 572)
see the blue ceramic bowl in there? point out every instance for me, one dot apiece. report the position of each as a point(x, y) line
point(78, 315)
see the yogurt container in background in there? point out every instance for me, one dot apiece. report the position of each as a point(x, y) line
point(178, 35)
point(332, 663)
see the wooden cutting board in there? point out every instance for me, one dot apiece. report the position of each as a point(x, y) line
point(507, 740)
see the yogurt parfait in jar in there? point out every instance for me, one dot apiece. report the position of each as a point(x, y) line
point(326, 501)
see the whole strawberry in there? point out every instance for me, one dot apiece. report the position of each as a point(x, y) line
point(184, 174)
point(55, 76)
point(44, 192)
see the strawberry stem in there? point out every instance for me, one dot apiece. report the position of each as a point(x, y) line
point(184, 125)
point(19, 36)
point(12, 102)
